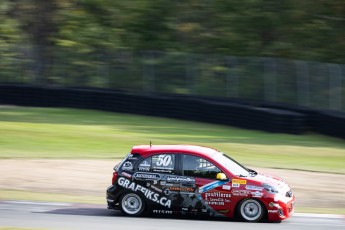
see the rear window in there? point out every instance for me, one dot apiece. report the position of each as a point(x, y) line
point(127, 163)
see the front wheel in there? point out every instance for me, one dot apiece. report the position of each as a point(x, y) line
point(132, 204)
point(251, 210)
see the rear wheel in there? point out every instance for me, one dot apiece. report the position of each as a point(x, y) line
point(132, 204)
point(251, 210)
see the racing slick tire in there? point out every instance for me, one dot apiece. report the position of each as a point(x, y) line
point(251, 210)
point(131, 204)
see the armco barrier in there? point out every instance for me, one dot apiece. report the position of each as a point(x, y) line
point(271, 118)
point(331, 123)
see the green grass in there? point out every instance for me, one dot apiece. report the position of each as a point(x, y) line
point(71, 133)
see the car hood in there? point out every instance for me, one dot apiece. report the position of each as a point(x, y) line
point(271, 180)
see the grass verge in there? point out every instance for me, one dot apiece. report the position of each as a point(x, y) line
point(51, 197)
point(72, 133)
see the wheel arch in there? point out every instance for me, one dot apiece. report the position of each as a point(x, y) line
point(143, 198)
point(263, 205)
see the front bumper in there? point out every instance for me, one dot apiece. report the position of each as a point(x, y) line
point(281, 208)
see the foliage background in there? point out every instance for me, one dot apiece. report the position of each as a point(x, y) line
point(227, 48)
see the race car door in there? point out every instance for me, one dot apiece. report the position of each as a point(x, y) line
point(212, 195)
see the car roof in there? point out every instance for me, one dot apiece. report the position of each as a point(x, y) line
point(188, 149)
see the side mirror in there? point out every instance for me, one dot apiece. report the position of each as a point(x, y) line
point(221, 176)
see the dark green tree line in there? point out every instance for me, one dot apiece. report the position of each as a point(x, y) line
point(309, 30)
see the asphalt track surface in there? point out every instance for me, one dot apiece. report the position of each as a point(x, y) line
point(86, 216)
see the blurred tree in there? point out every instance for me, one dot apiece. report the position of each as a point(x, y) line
point(10, 38)
point(319, 30)
point(37, 19)
point(78, 36)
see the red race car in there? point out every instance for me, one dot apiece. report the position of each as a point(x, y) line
point(187, 179)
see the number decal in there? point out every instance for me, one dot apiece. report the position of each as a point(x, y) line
point(164, 160)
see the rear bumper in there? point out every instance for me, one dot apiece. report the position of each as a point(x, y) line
point(112, 197)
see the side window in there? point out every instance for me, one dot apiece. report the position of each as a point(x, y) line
point(145, 165)
point(199, 167)
point(158, 163)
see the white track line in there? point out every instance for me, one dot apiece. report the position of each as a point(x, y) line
point(313, 215)
point(36, 203)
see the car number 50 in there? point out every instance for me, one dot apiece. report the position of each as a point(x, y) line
point(164, 160)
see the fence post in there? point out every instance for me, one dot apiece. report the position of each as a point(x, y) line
point(232, 81)
point(303, 89)
point(148, 72)
point(190, 73)
point(335, 86)
point(270, 79)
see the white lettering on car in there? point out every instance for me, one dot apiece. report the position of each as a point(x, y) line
point(164, 160)
point(151, 195)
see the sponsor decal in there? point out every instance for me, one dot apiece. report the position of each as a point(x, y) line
point(226, 187)
point(127, 166)
point(272, 211)
point(237, 182)
point(126, 175)
point(162, 211)
point(145, 169)
point(257, 194)
point(164, 183)
point(240, 192)
point(167, 192)
point(181, 189)
point(256, 188)
point(157, 189)
point(180, 179)
point(212, 185)
point(149, 194)
point(130, 157)
point(217, 194)
point(164, 162)
point(162, 170)
point(145, 165)
point(217, 198)
point(217, 201)
point(146, 176)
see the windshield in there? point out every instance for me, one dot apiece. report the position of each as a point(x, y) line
point(233, 166)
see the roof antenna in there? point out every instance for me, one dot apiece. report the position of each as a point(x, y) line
point(150, 144)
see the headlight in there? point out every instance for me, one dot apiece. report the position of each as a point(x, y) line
point(270, 188)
